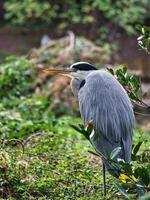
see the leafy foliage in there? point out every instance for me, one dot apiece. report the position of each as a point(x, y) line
point(144, 38)
point(18, 13)
point(123, 13)
point(44, 169)
point(25, 116)
point(20, 112)
point(131, 83)
point(28, 11)
point(16, 76)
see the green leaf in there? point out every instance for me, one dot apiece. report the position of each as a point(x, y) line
point(143, 174)
point(80, 128)
point(125, 69)
point(111, 71)
point(136, 148)
point(126, 168)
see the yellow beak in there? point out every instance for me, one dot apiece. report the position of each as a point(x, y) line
point(57, 71)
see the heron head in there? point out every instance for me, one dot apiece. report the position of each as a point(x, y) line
point(82, 66)
point(77, 72)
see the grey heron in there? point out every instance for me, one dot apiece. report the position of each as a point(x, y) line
point(104, 102)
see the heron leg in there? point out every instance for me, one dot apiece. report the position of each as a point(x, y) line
point(104, 180)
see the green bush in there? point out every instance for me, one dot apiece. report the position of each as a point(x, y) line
point(53, 166)
point(28, 12)
point(67, 13)
point(25, 116)
point(21, 112)
point(123, 13)
point(144, 38)
point(16, 77)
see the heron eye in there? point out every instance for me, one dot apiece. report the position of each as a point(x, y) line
point(74, 69)
point(82, 84)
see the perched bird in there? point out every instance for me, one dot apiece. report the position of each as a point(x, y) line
point(104, 103)
point(45, 40)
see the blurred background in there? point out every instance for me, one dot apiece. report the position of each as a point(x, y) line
point(109, 25)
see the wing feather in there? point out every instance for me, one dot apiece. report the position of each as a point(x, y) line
point(103, 100)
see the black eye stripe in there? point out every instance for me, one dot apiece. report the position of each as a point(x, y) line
point(83, 67)
point(82, 84)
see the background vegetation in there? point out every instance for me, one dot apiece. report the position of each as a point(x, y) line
point(122, 14)
point(42, 156)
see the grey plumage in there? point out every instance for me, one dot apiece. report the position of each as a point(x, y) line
point(103, 100)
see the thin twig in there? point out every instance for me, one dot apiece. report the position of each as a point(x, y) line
point(138, 113)
point(17, 141)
